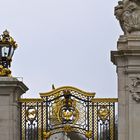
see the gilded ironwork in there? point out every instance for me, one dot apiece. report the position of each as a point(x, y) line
point(29, 100)
point(67, 128)
point(46, 135)
point(31, 119)
point(103, 112)
point(4, 71)
point(31, 113)
point(7, 39)
point(67, 88)
point(65, 110)
point(104, 119)
point(88, 134)
point(105, 100)
point(68, 109)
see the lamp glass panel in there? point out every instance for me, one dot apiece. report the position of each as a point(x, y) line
point(11, 52)
point(5, 51)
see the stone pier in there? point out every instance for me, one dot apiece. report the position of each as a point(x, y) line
point(10, 91)
point(127, 60)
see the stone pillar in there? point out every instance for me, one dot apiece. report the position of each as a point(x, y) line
point(127, 60)
point(10, 91)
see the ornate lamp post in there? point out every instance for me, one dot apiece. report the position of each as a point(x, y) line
point(7, 48)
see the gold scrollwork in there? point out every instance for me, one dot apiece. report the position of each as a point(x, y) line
point(67, 128)
point(103, 112)
point(46, 134)
point(67, 88)
point(59, 113)
point(5, 71)
point(31, 113)
point(88, 134)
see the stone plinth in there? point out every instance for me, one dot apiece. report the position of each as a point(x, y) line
point(127, 60)
point(10, 91)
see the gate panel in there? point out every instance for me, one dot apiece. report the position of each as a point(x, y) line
point(69, 110)
point(31, 119)
point(104, 119)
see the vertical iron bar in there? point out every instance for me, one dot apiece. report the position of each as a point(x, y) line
point(42, 113)
point(34, 136)
point(28, 133)
point(100, 132)
point(97, 122)
point(105, 131)
point(114, 121)
point(88, 113)
point(109, 122)
point(92, 121)
point(25, 121)
point(20, 120)
point(31, 131)
point(47, 118)
point(37, 123)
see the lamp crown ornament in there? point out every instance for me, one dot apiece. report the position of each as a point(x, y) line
point(7, 48)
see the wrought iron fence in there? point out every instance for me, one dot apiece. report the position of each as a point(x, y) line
point(67, 109)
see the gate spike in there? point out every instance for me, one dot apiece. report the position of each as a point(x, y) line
point(53, 87)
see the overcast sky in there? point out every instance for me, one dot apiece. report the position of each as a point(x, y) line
point(63, 42)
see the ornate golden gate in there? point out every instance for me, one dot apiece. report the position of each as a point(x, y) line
point(67, 109)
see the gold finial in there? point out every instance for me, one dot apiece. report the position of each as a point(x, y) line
point(6, 33)
point(53, 87)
